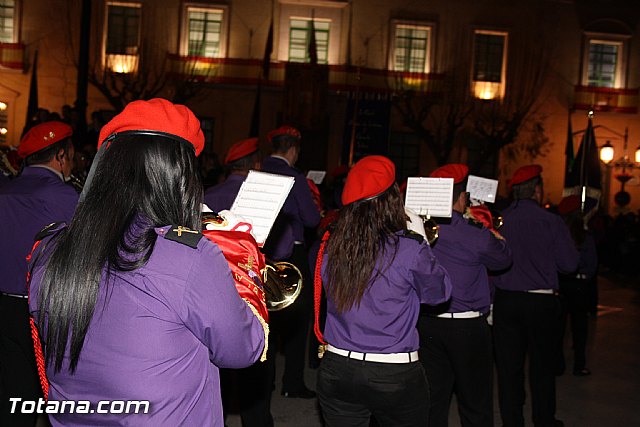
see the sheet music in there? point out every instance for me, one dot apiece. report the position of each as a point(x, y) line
point(484, 189)
point(430, 196)
point(316, 176)
point(260, 199)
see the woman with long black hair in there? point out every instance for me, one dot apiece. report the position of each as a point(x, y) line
point(131, 302)
point(376, 274)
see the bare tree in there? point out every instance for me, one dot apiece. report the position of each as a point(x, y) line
point(437, 110)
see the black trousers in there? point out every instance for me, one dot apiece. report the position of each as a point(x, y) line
point(290, 327)
point(574, 298)
point(457, 357)
point(351, 391)
point(525, 324)
point(18, 373)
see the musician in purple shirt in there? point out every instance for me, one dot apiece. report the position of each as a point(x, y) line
point(241, 158)
point(526, 308)
point(376, 274)
point(455, 339)
point(286, 243)
point(130, 301)
point(37, 197)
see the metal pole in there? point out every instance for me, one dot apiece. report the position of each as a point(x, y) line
point(83, 70)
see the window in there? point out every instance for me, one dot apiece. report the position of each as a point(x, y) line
point(7, 21)
point(411, 48)
point(489, 64)
point(123, 36)
point(299, 39)
point(604, 63)
point(204, 32)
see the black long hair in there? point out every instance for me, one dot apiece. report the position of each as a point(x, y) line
point(152, 180)
point(360, 236)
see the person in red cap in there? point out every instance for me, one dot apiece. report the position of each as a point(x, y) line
point(36, 197)
point(139, 306)
point(526, 308)
point(575, 287)
point(456, 345)
point(286, 242)
point(243, 156)
point(376, 274)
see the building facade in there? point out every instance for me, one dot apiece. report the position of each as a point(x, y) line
point(491, 83)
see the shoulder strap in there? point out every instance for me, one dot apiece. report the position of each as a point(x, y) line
point(317, 295)
point(413, 235)
point(184, 235)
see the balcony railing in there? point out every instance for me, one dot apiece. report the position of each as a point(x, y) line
point(606, 99)
point(12, 55)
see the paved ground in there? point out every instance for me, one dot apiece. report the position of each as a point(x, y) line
point(610, 397)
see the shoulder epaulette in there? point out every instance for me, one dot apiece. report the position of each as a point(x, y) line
point(475, 223)
point(50, 229)
point(413, 235)
point(183, 235)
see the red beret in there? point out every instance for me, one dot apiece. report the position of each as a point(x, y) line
point(525, 173)
point(340, 170)
point(241, 149)
point(283, 130)
point(573, 203)
point(457, 171)
point(569, 204)
point(368, 178)
point(43, 135)
point(156, 115)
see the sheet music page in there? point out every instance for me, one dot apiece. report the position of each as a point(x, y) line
point(484, 189)
point(316, 176)
point(260, 199)
point(430, 196)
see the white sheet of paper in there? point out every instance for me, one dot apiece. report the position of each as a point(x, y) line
point(430, 196)
point(316, 176)
point(260, 199)
point(484, 189)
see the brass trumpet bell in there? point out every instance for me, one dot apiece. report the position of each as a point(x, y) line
point(282, 285)
point(431, 230)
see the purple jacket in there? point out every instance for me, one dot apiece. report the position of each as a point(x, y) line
point(28, 203)
point(385, 320)
point(160, 333)
point(221, 196)
point(467, 250)
point(298, 212)
point(541, 246)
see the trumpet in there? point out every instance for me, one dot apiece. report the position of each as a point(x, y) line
point(282, 284)
point(281, 281)
point(431, 229)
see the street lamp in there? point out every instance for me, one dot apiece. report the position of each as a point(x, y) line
point(607, 154)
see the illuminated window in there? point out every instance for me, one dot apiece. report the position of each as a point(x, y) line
point(123, 36)
point(489, 64)
point(299, 34)
point(411, 48)
point(604, 63)
point(7, 21)
point(205, 32)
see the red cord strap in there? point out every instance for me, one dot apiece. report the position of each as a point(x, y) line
point(317, 294)
point(37, 344)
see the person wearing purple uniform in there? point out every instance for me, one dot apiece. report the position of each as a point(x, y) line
point(130, 301)
point(254, 381)
point(241, 158)
point(455, 338)
point(286, 243)
point(376, 274)
point(526, 308)
point(37, 197)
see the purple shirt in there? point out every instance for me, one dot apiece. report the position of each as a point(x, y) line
point(467, 250)
point(222, 196)
point(299, 210)
point(28, 203)
point(385, 320)
point(541, 246)
point(165, 330)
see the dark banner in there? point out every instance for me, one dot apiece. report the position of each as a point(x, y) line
point(366, 129)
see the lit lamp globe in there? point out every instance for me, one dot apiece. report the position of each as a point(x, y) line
point(638, 154)
point(606, 153)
